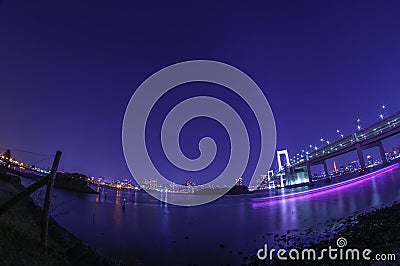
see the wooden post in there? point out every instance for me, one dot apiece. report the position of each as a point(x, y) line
point(46, 204)
point(29, 190)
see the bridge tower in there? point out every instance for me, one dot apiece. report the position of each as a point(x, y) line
point(270, 175)
point(280, 165)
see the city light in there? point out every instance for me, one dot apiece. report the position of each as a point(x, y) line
point(22, 165)
point(358, 124)
point(339, 133)
point(382, 113)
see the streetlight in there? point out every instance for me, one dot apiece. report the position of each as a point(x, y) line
point(358, 124)
point(322, 141)
point(382, 113)
point(340, 134)
point(311, 148)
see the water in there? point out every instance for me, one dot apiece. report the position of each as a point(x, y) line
point(154, 233)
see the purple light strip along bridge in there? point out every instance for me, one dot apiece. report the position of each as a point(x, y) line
point(332, 187)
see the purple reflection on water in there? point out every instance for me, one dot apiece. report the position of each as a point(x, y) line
point(258, 202)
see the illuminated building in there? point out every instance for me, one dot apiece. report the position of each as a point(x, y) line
point(335, 168)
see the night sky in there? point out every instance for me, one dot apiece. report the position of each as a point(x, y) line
point(69, 68)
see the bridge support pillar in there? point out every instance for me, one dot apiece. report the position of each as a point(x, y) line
point(326, 169)
point(382, 152)
point(269, 175)
point(360, 155)
point(309, 172)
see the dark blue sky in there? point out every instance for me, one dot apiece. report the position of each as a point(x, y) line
point(69, 68)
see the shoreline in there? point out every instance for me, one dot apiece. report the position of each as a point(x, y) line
point(67, 181)
point(20, 235)
point(376, 229)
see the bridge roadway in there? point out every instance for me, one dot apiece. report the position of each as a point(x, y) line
point(366, 138)
point(6, 159)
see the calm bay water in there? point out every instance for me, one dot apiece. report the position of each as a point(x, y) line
point(225, 231)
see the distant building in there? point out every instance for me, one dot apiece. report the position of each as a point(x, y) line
point(335, 170)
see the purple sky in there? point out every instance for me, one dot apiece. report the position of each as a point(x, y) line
point(68, 68)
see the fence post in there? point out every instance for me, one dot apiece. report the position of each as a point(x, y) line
point(46, 203)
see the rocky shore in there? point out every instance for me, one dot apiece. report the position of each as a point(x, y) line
point(20, 235)
point(68, 181)
point(377, 230)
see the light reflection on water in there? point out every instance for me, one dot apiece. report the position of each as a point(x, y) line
point(181, 235)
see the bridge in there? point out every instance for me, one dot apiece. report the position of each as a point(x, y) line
point(366, 138)
point(8, 162)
